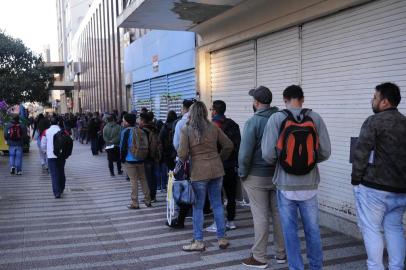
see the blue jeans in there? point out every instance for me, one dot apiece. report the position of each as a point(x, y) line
point(57, 169)
point(201, 188)
point(309, 212)
point(16, 157)
point(163, 176)
point(381, 211)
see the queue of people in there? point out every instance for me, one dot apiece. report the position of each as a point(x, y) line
point(276, 159)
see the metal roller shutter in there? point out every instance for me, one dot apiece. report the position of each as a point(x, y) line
point(278, 62)
point(181, 85)
point(344, 57)
point(141, 95)
point(232, 76)
point(159, 91)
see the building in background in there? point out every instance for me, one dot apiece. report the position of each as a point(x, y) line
point(70, 13)
point(161, 68)
point(97, 51)
point(338, 51)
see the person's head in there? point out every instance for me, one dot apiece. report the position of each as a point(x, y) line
point(293, 96)
point(96, 114)
point(110, 118)
point(218, 108)
point(262, 97)
point(198, 118)
point(171, 116)
point(186, 105)
point(146, 118)
point(386, 96)
point(144, 110)
point(41, 116)
point(54, 120)
point(129, 120)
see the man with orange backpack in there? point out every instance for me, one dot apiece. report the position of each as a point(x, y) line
point(296, 140)
point(15, 133)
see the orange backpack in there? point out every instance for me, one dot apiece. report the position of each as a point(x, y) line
point(298, 143)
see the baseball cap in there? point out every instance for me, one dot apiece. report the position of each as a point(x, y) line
point(261, 94)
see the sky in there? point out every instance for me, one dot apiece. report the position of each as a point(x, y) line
point(32, 21)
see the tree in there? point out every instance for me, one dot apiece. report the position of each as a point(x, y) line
point(23, 75)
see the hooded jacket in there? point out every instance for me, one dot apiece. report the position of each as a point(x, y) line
point(250, 159)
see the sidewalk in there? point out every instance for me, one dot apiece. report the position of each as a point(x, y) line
point(91, 228)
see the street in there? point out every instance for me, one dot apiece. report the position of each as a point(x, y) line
point(91, 228)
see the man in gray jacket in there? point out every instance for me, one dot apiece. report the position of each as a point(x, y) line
point(256, 175)
point(379, 179)
point(297, 190)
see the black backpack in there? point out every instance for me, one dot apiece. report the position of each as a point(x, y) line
point(63, 144)
point(298, 143)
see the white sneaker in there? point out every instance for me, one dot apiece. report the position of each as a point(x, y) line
point(230, 225)
point(212, 228)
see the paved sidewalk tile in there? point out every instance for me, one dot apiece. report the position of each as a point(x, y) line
point(91, 228)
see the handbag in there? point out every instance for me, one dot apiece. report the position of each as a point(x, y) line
point(183, 193)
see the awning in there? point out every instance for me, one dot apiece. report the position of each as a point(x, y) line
point(181, 15)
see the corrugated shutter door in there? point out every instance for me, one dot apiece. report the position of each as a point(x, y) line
point(141, 95)
point(344, 57)
point(181, 85)
point(159, 91)
point(232, 76)
point(278, 62)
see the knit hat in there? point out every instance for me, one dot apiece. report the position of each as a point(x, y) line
point(130, 119)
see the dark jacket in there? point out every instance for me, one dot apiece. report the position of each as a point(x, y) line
point(94, 127)
point(24, 134)
point(383, 134)
point(250, 161)
point(232, 130)
point(166, 143)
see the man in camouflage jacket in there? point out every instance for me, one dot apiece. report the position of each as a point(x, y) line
point(379, 179)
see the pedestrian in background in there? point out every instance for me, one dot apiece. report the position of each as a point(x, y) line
point(111, 135)
point(134, 165)
point(15, 134)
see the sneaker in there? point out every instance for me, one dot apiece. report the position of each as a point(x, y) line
point(120, 172)
point(153, 200)
point(230, 225)
point(133, 206)
point(12, 170)
point(112, 174)
point(223, 243)
point(212, 228)
point(280, 259)
point(251, 262)
point(175, 224)
point(195, 245)
point(19, 173)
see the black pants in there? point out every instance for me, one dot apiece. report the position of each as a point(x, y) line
point(184, 210)
point(230, 188)
point(113, 155)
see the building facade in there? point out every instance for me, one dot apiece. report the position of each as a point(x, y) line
point(69, 16)
point(161, 65)
point(337, 50)
point(98, 51)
